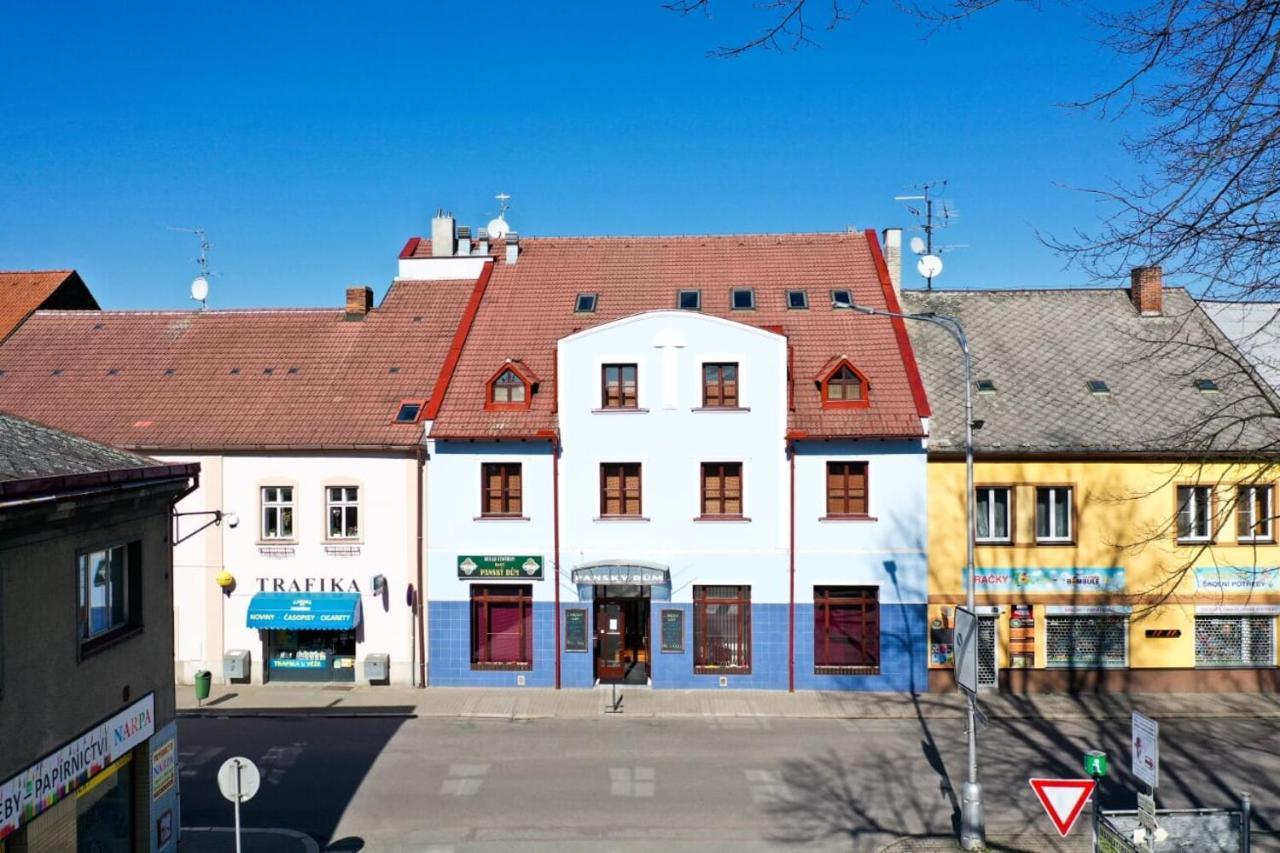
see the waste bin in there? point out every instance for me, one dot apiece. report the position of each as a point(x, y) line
point(204, 679)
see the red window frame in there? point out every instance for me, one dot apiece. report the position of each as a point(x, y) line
point(845, 376)
point(510, 607)
point(718, 392)
point(627, 495)
point(846, 630)
point(504, 498)
point(722, 489)
point(721, 643)
point(621, 392)
point(495, 382)
point(848, 491)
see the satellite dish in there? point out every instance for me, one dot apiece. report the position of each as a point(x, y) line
point(929, 266)
point(200, 289)
point(917, 245)
point(498, 228)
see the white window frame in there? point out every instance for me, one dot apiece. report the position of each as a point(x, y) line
point(990, 538)
point(344, 503)
point(1055, 496)
point(1244, 507)
point(1193, 535)
point(278, 504)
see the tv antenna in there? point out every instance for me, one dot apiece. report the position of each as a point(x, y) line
point(200, 284)
point(929, 264)
point(498, 226)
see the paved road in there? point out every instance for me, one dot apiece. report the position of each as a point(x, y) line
point(731, 784)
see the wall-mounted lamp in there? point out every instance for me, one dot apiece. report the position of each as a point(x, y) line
point(219, 516)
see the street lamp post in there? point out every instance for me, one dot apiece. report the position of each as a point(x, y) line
point(972, 831)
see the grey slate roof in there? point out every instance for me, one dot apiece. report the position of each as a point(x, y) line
point(1041, 347)
point(30, 451)
point(1254, 327)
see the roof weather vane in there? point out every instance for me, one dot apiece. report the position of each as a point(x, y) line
point(930, 264)
point(498, 226)
point(200, 284)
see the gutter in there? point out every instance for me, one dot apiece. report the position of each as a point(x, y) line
point(52, 488)
point(419, 600)
point(791, 559)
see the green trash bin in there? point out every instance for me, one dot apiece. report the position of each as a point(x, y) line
point(204, 680)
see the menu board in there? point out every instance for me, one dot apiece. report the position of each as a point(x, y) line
point(575, 630)
point(1022, 637)
point(673, 630)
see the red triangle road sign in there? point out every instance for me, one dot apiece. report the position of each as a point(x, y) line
point(1063, 799)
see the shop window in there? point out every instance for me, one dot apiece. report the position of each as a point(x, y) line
point(311, 655)
point(1235, 640)
point(502, 627)
point(277, 512)
point(722, 489)
point(1054, 511)
point(110, 593)
point(722, 629)
point(1253, 514)
point(1195, 513)
point(502, 489)
point(720, 386)
point(1087, 642)
point(993, 514)
point(846, 630)
point(619, 489)
point(846, 489)
point(618, 386)
point(343, 510)
point(105, 809)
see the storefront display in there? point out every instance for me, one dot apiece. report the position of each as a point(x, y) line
point(1022, 637)
point(311, 655)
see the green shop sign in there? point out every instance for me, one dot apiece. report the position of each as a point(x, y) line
point(473, 566)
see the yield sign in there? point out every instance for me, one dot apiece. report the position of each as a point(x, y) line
point(1063, 799)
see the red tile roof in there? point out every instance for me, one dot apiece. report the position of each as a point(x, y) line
point(303, 378)
point(527, 307)
point(22, 292)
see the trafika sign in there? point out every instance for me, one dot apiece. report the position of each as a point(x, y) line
point(1063, 800)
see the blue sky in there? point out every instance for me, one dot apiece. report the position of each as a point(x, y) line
point(310, 140)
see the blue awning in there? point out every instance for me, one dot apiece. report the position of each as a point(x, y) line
point(295, 611)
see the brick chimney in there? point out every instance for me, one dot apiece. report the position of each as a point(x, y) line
point(359, 301)
point(1147, 290)
point(442, 235)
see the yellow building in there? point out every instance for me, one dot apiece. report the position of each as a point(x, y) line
point(1124, 525)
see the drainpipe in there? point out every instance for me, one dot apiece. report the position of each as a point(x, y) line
point(791, 555)
point(555, 515)
point(420, 600)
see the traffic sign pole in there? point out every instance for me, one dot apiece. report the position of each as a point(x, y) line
point(1095, 764)
point(238, 780)
point(239, 794)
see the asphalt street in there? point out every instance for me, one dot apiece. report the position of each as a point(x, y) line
point(720, 783)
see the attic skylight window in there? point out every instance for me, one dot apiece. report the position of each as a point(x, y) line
point(267, 371)
point(841, 299)
point(797, 299)
point(393, 370)
point(690, 300)
point(235, 371)
point(1207, 386)
point(114, 371)
point(742, 299)
point(408, 413)
point(986, 386)
point(586, 304)
point(1098, 388)
point(293, 370)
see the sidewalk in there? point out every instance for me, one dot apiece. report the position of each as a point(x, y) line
point(541, 703)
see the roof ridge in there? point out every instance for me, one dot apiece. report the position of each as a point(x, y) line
point(180, 312)
point(29, 272)
point(1037, 291)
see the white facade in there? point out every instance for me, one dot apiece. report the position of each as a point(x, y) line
point(209, 621)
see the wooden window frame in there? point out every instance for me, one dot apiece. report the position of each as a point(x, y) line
point(1210, 537)
point(622, 402)
point(490, 389)
point(622, 490)
point(719, 383)
point(866, 488)
point(1013, 514)
point(486, 594)
point(1072, 520)
point(823, 601)
point(700, 604)
point(864, 387)
point(505, 497)
point(1244, 532)
point(719, 477)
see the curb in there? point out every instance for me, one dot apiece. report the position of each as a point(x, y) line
point(309, 844)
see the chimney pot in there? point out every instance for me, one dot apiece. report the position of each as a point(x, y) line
point(893, 258)
point(513, 247)
point(359, 301)
point(464, 240)
point(1146, 290)
point(482, 237)
point(442, 235)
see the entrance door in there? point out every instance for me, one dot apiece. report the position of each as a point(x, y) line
point(610, 640)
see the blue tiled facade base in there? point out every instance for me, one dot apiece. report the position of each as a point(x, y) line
point(903, 653)
point(449, 649)
point(578, 668)
point(768, 653)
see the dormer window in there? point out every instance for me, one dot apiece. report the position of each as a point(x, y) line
point(843, 387)
point(511, 387)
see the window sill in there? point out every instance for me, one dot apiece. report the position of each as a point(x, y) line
point(96, 645)
point(633, 518)
point(1004, 542)
point(839, 518)
point(741, 519)
point(1055, 542)
point(501, 667)
point(721, 409)
point(501, 518)
point(722, 670)
point(1268, 540)
point(1193, 542)
point(354, 541)
point(1200, 665)
point(632, 410)
point(1091, 666)
point(267, 543)
point(846, 670)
